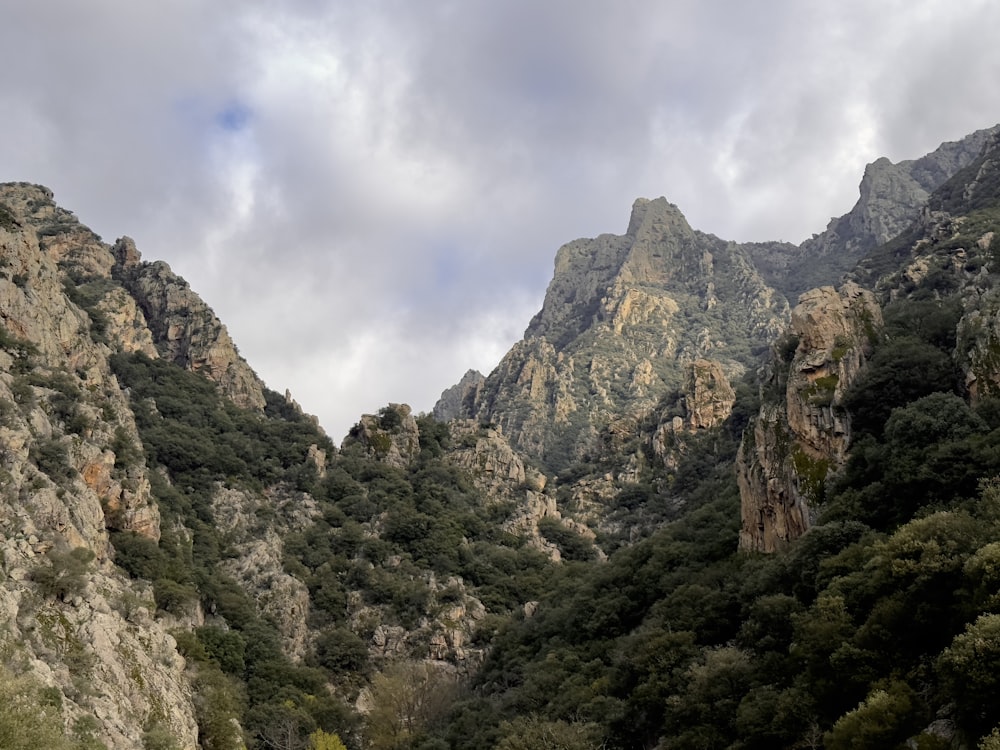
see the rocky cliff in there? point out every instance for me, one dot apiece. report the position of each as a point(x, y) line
point(67, 430)
point(185, 554)
point(622, 317)
point(891, 197)
point(803, 434)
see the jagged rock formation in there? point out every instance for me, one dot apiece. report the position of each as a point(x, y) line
point(891, 198)
point(259, 566)
point(59, 389)
point(391, 436)
point(705, 402)
point(621, 318)
point(629, 364)
point(65, 427)
point(836, 330)
point(495, 467)
point(798, 440)
point(504, 477)
point(708, 395)
point(184, 328)
point(457, 399)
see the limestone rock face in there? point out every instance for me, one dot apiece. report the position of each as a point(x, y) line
point(708, 396)
point(836, 329)
point(891, 197)
point(103, 636)
point(502, 475)
point(622, 318)
point(391, 436)
point(772, 511)
point(455, 401)
point(65, 405)
point(259, 565)
point(187, 332)
point(68, 473)
point(794, 444)
point(979, 332)
point(495, 467)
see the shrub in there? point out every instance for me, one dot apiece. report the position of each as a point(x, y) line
point(51, 458)
point(66, 574)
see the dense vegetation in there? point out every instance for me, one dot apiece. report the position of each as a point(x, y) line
point(863, 632)
point(378, 534)
point(860, 635)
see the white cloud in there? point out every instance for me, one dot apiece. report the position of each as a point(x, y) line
point(371, 194)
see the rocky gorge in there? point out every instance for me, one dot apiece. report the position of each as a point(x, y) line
point(664, 487)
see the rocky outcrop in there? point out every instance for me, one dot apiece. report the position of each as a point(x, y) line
point(458, 399)
point(836, 330)
point(495, 467)
point(708, 395)
point(65, 416)
point(503, 476)
point(184, 328)
point(70, 469)
point(622, 318)
point(98, 648)
point(793, 445)
point(446, 636)
point(891, 197)
point(979, 337)
point(706, 401)
point(772, 510)
point(391, 436)
point(259, 564)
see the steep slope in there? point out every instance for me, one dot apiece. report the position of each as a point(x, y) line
point(151, 483)
point(69, 616)
point(802, 433)
point(869, 476)
point(621, 317)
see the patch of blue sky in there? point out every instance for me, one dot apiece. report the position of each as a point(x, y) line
point(234, 117)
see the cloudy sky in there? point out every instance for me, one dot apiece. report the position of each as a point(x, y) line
point(371, 193)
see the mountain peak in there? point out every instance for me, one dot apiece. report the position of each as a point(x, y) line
point(647, 213)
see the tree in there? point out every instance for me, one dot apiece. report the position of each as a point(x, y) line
point(407, 699)
point(27, 720)
point(970, 672)
point(66, 575)
point(535, 733)
point(217, 707)
point(882, 720)
point(320, 740)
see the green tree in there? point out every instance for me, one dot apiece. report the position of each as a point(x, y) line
point(883, 719)
point(218, 707)
point(27, 720)
point(970, 673)
point(407, 700)
point(66, 574)
point(900, 371)
point(535, 733)
point(320, 740)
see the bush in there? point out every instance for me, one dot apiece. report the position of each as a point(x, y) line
point(66, 574)
point(340, 650)
point(52, 459)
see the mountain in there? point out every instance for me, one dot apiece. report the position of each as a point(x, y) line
point(681, 513)
point(188, 558)
point(867, 476)
point(622, 317)
point(891, 197)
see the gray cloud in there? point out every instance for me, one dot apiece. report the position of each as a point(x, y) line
point(371, 194)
